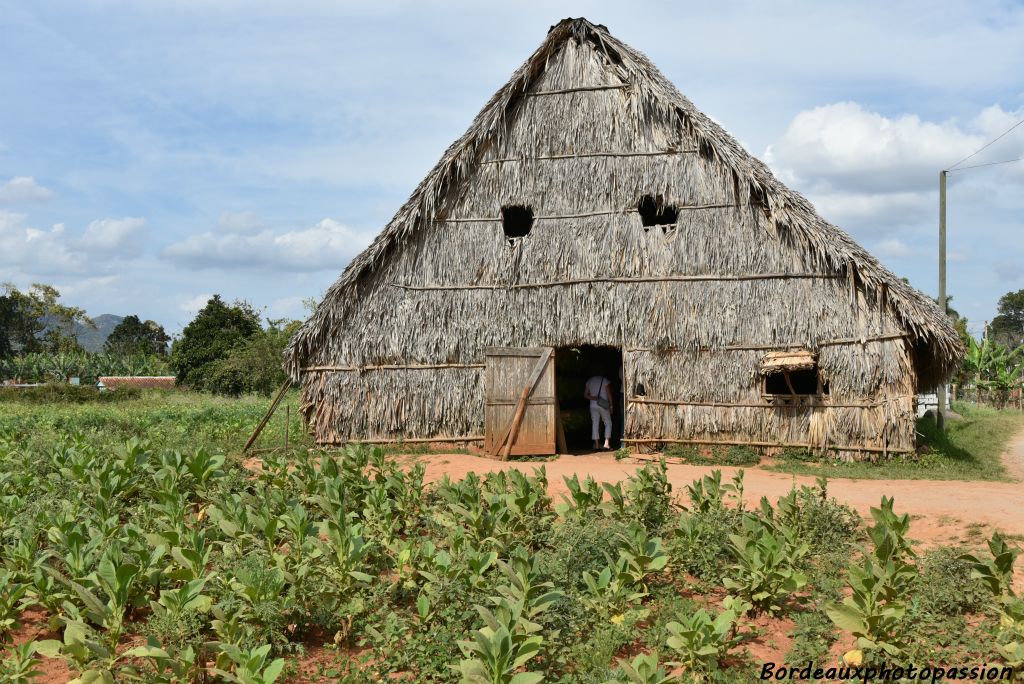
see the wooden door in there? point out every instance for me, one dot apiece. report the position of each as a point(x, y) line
point(509, 370)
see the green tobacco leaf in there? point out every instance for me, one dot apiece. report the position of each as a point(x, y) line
point(845, 617)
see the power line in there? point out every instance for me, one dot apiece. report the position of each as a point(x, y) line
point(978, 166)
point(989, 144)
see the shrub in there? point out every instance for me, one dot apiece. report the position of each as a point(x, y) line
point(54, 393)
point(824, 523)
point(253, 365)
point(579, 545)
point(945, 585)
point(700, 545)
point(213, 333)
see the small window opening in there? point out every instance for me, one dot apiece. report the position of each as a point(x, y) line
point(654, 212)
point(800, 382)
point(516, 221)
point(757, 196)
point(639, 390)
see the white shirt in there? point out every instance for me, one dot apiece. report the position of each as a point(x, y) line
point(595, 387)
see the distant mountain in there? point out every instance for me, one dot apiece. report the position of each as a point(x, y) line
point(92, 339)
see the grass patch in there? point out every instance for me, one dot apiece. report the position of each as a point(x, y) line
point(169, 420)
point(969, 449)
point(725, 456)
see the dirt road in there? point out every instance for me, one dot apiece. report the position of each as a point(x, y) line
point(942, 511)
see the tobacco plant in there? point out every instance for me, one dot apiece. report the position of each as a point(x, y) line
point(875, 610)
point(997, 575)
point(765, 572)
point(702, 640)
point(644, 670)
point(18, 664)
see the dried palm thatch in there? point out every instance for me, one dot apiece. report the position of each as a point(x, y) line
point(584, 130)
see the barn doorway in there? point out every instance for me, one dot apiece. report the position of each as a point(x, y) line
point(573, 367)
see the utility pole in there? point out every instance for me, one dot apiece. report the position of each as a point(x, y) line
point(940, 414)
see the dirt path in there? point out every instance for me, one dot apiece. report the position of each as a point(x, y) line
point(942, 511)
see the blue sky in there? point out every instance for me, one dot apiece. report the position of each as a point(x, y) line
point(154, 153)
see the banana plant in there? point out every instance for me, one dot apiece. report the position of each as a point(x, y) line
point(993, 366)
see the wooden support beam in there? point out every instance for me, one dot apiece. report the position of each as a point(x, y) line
point(601, 212)
point(587, 155)
point(273, 407)
point(727, 442)
point(627, 281)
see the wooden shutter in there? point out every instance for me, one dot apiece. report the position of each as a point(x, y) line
point(508, 372)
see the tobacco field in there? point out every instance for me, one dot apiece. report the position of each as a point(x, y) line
point(161, 557)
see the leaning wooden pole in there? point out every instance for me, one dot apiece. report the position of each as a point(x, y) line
point(270, 412)
point(517, 420)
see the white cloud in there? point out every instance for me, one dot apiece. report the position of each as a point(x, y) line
point(862, 207)
point(893, 248)
point(325, 245)
point(24, 189)
point(123, 236)
point(40, 252)
point(876, 172)
point(240, 222)
point(287, 307)
point(192, 305)
point(34, 250)
point(844, 146)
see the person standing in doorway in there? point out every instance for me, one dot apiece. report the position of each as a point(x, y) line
point(598, 391)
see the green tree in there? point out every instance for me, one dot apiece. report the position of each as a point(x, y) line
point(133, 337)
point(8, 315)
point(959, 322)
point(36, 321)
point(1008, 327)
point(213, 333)
point(255, 364)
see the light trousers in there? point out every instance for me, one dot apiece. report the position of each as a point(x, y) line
point(600, 414)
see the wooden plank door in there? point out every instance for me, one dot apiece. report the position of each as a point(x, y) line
point(509, 370)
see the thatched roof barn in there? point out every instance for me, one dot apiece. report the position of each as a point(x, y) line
point(591, 205)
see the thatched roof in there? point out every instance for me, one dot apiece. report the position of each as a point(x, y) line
point(936, 344)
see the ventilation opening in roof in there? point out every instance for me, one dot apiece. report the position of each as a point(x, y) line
point(516, 221)
point(654, 212)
